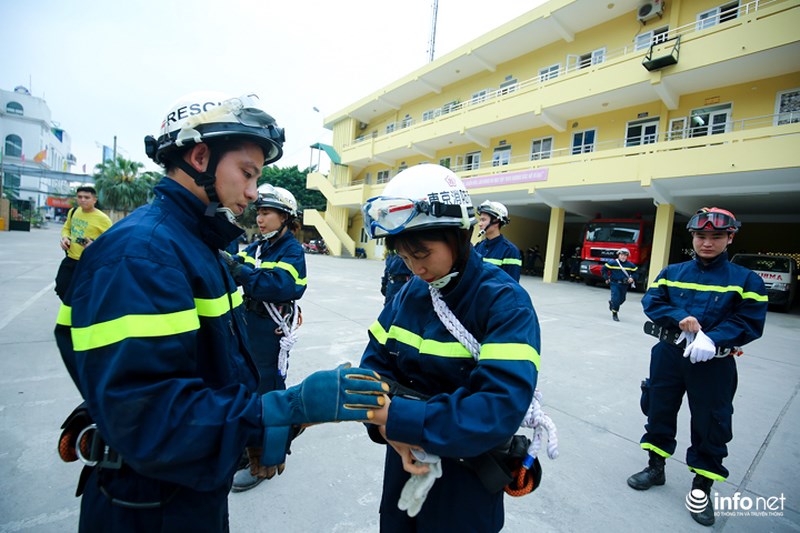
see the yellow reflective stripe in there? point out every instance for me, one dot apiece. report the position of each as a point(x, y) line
point(426, 346)
point(632, 269)
point(134, 326)
point(713, 288)
point(506, 261)
point(656, 449)
point(215, 307)
point(706, 473)
point(247, 258)
point(510, 352)
point(64, 316)
point(288, 268)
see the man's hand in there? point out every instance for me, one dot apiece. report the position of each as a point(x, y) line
point(65, 242)
point(410, 464)
point(342, 394)
point(689, 324)
point(236, 269)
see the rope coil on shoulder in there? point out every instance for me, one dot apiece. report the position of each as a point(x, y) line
point(286, 327)
point(535, 419)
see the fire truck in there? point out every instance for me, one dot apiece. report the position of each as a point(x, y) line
point(602, 237)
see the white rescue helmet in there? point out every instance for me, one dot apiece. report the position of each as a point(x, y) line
point(495, 209)
point(276, 198)
point(205, 116)
point(421, 197)
point(622, 251)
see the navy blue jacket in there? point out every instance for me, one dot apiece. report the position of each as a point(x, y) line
point(503, 253)
point(152, 333)
point(478, 405)
point(281, 275)
point(728, 300)
point(613, 271)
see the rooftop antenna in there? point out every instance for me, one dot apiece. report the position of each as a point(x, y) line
point(432, 40)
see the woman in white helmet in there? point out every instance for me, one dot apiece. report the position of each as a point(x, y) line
point(496, 249)
point(474, 403)
point(272, 273)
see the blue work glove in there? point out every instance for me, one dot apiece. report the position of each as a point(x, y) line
point(342, 394)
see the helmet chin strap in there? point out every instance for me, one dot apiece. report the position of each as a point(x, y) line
point(276, 232)
point(206, 180)
point(482, 233)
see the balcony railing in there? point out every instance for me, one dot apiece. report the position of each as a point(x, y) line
point(661, 141)
point(540, 80)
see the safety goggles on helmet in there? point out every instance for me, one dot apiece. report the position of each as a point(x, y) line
point(276, 198)
point(713, 219)
point(495, 209)
point(394, 215)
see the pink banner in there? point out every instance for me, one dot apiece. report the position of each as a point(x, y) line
point(508, 178)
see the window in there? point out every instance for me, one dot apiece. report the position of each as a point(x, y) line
point(548, 73)
point(583, 141)
point(445, 162)
point(479, 96)
point(590, 58)
point(406, 122)
point(431, 114)
point(719, 14)
point(13, 146)
point(645, 40)
point(542, 148)
point(14, 108)
point(390, 127)
point(677, 129)
point(642, 132)
point(508, 86)
point(449, 106)
point(709, 120)
point(501, 156)
point(382, 176)
point(472, 161)
point(787, 107)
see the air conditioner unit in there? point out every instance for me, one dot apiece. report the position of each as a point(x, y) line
point(650, 10)
point(362, 125)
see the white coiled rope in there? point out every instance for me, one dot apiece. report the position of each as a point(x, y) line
point(535, 418)
point(289, 330)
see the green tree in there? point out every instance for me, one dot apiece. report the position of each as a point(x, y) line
point(120, 187)
point(293, 180)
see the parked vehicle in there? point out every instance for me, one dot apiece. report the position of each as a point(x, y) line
point(315, 246)
point(602, 237)
point(779, 273)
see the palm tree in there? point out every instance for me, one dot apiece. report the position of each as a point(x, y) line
point(120, 187)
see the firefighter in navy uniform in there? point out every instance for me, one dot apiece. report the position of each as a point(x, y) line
point(395, 275)
point(496, 249)
point(473, 405)
point(273, 277)
point(618, 274)
point(717, 306)
point(152, 334)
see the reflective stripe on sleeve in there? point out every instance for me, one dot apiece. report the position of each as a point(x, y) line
point(713, 288)
point(510, 352)
point(506, 261)
point(426, 346)
point(64, 316)
point(247, 259)
point(288, 268)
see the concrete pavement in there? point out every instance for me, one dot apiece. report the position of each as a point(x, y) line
point(591, 369)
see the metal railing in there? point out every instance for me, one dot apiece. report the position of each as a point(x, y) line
point(540, 80)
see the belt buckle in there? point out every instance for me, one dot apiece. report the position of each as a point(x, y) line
point(100, 453)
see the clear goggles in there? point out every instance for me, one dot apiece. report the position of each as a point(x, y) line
point(244, 108)
point(713, 220)
point(393, 214)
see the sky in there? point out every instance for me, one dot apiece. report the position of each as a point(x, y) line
point(111, 69)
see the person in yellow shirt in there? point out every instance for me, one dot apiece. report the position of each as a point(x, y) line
point(84, 225)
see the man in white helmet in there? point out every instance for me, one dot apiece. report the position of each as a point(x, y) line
point(153, 335)
point(476, 398)
point(618, 274)
point(496, 249)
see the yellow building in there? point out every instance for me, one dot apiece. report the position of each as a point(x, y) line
point(622, 108)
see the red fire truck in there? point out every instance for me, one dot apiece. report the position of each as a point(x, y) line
point(602, 237)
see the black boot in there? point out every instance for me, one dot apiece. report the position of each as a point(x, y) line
point(706, 515)
point(614, 316)
point(652, 475)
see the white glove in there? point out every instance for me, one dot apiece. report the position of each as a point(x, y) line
point(701, 350)
point(417, 487)
point(687, 336)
